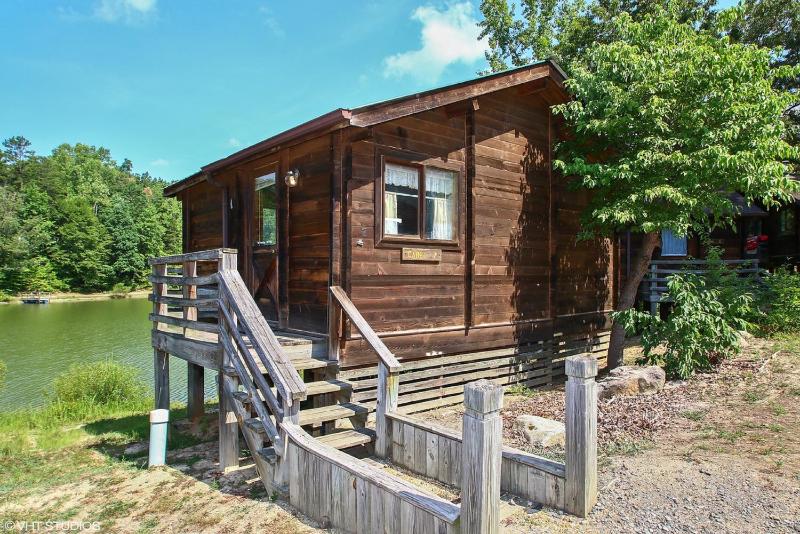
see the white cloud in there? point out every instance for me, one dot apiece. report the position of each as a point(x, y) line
point(234, 143)
point(271, 22)
point(160, 162)
point(128, 11)
point(449, 36)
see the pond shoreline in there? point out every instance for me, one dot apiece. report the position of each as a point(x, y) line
point(77, 297)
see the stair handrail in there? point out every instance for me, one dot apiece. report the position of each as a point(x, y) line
point(241, 306)
point(388, 366)
point(340, 299)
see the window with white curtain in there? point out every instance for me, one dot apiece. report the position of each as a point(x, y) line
point(419, 194)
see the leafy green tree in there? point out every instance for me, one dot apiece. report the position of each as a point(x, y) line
point(522, 31)
point(665, 122)
point(82, 259)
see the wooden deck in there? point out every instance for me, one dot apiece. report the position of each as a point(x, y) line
point(296, 409)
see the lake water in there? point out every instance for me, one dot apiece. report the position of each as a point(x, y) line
point(39, 342)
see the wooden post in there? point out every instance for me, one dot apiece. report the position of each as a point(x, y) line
point(654, 297)
point(161, 368)
point(581, 435)
point(334, 327)
point(481, 456)
point(195, 385)
point(195, 381)
point(228, 424)
point(388, 386)
point(291, 414)
point(160, 358)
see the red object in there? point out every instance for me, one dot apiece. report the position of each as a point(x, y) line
point(763, 238)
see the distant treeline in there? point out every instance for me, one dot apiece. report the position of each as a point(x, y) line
point(76, 220)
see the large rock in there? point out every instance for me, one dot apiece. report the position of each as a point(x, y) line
point(631, 380)
point(541, 432)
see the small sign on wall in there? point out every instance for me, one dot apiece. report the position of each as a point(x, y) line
point(433, 255)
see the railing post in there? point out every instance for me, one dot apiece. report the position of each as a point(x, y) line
point(388, 386)
point(195, 379)
point(291, 414)
point(481, 456)
point(654, 295)
point(581, 435)
point(228, 425)
point(334, 326)
point(160, 358)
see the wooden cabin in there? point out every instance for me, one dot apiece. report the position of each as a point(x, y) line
point(438, 213)
point(370, 264)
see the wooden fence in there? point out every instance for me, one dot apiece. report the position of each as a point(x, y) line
point(654, 285)
point(436, 382)
point(438, 453)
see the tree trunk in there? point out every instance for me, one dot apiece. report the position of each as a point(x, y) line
point(627, 297)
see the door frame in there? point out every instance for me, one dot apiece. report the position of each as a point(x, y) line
point(276, 165)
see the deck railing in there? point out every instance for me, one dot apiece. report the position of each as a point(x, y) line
point(248, 352)
point(388, 366)
point(656, 279)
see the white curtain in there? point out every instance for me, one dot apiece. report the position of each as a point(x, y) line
point(390, 214)
point(442, 220)
point(402, 176)
point(440, 188)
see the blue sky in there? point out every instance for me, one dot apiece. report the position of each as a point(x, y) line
point(175, 84)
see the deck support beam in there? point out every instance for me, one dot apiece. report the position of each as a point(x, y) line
point(195, 385)
point(228, 424)
point(161, 375)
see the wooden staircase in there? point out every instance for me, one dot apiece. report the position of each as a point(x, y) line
point(327, 412)
point(269, 380)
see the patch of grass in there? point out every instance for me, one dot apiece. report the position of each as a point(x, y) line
point(626, 447)
point(694, 415)
point(114, 509)
point(778, 409)
point(147, 526)
point(754, 395)
point(731, 436)
point(521, 390)
point(774, 427)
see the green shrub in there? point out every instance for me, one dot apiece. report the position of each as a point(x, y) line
point(701, 330)
point(3, 370)
point(782, 302)
point(120, 290)
point(106, 383)
point(730, 286)
point(5, 297)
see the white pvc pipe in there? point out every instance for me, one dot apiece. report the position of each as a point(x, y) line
point(159, 422)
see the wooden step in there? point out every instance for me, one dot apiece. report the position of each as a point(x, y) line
point(348, 438)
point(312, 363)
point(322, 387)
point(315, 416)
point(324, 414)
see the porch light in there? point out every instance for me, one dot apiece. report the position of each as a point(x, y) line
point(292, 178)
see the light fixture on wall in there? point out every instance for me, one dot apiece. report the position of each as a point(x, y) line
point(292, 178)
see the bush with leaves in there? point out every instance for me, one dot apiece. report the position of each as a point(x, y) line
point(781, 303)
point(730, 284)
point(105, 383)
point(702, 329)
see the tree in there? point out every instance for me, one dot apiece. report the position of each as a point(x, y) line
point(82, 258)
point(523, 31)
point(665, 122)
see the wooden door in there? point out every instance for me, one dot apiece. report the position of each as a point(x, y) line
point(265, 240)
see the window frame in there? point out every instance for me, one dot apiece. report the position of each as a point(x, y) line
point(685, 238)
point(418, 162)
point(265, 170)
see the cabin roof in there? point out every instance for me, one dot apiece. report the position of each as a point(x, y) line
point(386, 110)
